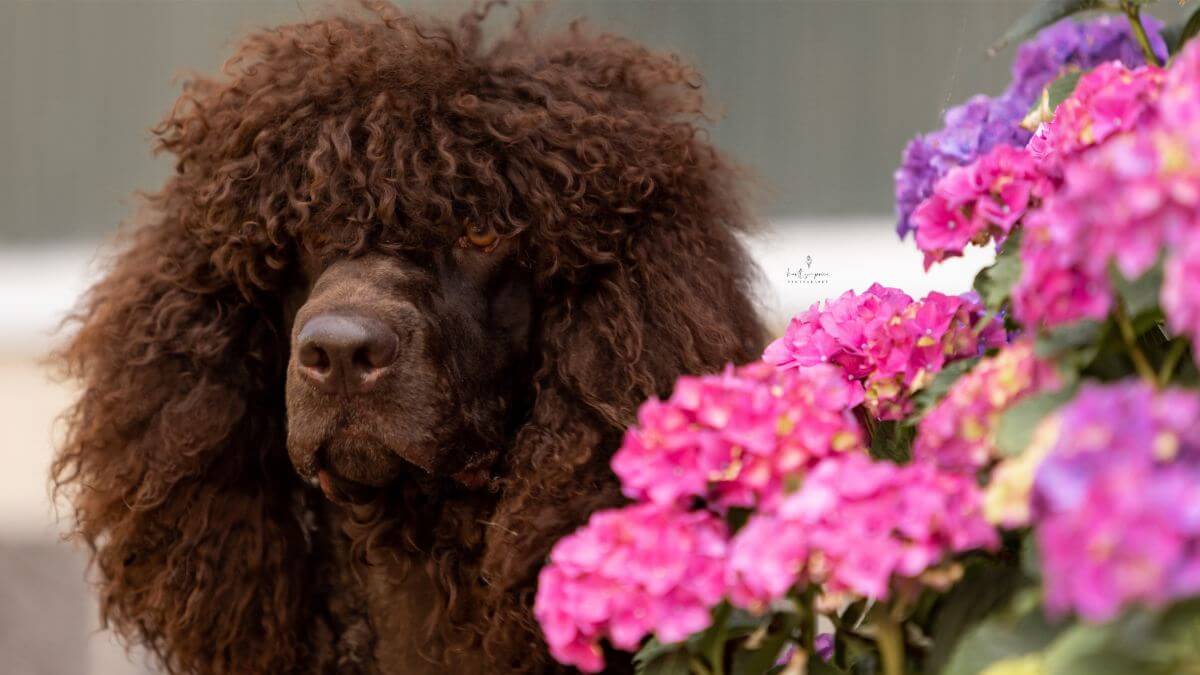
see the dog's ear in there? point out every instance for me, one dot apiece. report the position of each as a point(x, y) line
point(174, 462)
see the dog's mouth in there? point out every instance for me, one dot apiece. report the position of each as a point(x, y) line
point(349, 467)
point(343, 490)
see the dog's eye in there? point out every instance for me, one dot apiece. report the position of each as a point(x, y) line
point(482, 237)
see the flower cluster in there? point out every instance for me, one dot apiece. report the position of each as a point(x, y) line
point(1117, 500)
point(1108, 486)
point(969, 130)
point(1119, 203)
point(885, 339)
point(1120, 152)
point(1181, 288)
point(616, 578)
point(1108, 100)
point(958, 434)
point(1083, 45)
point(854, 526)
point(740, 437)
point(978, 202)
point(1179, 102)
point(983, 123)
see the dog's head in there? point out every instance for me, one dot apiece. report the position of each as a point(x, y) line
point(407, 362)
point(391, 249)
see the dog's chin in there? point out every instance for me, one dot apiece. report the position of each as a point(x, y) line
point(350, 468)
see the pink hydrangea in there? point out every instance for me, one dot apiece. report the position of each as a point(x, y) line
point(1108, 100)
point(1179, 103)
point(1124, 145)
point(1181, 289)
point(884, 339)
point(959, 433)
point(1116, 501)
point(741, 437)
point(1119, 203)
point(853, 526)
point(628, 573)
point(977, 203)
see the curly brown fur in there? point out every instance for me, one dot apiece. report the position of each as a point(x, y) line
point(377, 132)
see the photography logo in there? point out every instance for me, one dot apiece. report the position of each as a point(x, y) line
point(806, 275)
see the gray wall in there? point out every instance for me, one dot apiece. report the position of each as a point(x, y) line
point(820, 95)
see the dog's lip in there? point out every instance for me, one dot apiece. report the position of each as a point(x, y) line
point(342, 490)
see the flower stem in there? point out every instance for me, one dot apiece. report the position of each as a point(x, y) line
point(1133, 10)
point(1130, 339)
point(716, 655)
point(891, 643)
point(808, 619)
point(1171, 361)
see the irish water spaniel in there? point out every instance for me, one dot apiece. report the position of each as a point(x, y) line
point(368, 351)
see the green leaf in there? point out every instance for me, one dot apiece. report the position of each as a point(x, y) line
point(1139, 295)
point(1180, 33)
point(1191, 29)
point(1031, 558)
point(710, 644)
point(865, 663)
point(994, 283)
point(1069, 338)
point(758, 661)
point(1041, 15)
point(818, 667)
point(1055, 93)
point(736, 517)
point(1087, 649)
point(748, 661)
point(928, 397)
point(1000, 637)
point(1017, 424)
point(655, 654)
point(985, 586)
point(1072, 346)
point(674, 662)
point(1180, 631)
point(892, 441)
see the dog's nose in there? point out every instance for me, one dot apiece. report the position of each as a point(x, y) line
point(343, 353)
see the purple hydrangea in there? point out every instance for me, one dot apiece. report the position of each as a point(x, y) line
point(1084, 45)
point(970, 130)
point(983, 122)
point(1117, 501)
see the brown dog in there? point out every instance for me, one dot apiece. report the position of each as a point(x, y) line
point(370, 351)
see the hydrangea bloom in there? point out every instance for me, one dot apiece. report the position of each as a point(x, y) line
point(958, 434)
point(1117, 500)
point(1180, 296)
point(883, 338)
point(1179, 103)
point(1006, 500)
point(1120, 203)
point(1079, 44)
point(982, 123)
point(628, 573)
point(739, 437)
point(853, 526)
point(978, 202)
point(968, 131)
point(1108, 100)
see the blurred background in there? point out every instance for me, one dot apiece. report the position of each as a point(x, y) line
point(818, 98)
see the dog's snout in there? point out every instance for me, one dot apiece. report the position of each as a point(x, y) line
point(343, 353)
